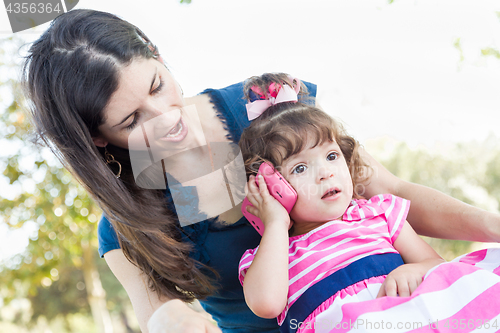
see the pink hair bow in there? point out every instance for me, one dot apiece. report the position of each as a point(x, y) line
point(285, 94)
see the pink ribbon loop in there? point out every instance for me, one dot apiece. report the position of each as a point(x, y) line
point(285, 94)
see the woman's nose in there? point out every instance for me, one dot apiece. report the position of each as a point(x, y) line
point(160, 122)
point(156, 108)
point(167, 119)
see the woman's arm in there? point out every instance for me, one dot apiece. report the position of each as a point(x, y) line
point(418, 256)
point(155, 314)
point(433, 213)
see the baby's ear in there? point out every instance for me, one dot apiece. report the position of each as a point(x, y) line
point(100, 142)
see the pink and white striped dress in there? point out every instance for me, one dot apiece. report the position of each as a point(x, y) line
point(449, 292)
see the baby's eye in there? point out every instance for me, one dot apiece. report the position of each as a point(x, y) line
point(299, 169)
point(332, 156)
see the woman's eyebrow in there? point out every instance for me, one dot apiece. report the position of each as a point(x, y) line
point(150, 88)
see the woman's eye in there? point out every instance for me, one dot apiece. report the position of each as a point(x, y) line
point(133, 123)
point(299, 169)
point(332, 156)
point(158, 89)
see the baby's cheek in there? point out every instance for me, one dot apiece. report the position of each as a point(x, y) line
point(305, 191)
point(300, 209)
point(294, 216)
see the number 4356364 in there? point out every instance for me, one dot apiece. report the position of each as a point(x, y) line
point(470, 324)
point(33, 8)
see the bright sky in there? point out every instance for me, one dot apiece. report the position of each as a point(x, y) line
point(385, 70)
point(382, 69)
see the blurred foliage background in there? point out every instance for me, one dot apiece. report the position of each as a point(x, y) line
point(58, 283)
point(467, 171)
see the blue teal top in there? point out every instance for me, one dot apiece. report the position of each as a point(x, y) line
point(219, 247)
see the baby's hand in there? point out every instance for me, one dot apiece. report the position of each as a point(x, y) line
point(402, 281)
point(265, 206)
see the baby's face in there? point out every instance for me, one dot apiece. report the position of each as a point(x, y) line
point(323, 183)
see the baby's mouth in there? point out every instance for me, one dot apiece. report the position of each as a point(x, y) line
point(330, 193)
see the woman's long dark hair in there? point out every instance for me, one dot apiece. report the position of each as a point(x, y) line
point(70, 73)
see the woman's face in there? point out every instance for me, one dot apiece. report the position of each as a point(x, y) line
point(147, 97)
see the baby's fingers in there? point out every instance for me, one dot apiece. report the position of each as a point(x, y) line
point(388, 288)
point(403, 288)
point(253, 194)
point(413, 284)
point(381, 292)
point(407, 284)
point(252, 210)
point(264, 192)
point(252, 186)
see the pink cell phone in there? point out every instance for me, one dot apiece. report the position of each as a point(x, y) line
point(278, 187)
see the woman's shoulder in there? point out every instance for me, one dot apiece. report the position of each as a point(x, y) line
point(233, 90)
point(107, 237)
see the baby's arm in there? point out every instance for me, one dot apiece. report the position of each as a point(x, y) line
point(418, 256)
point(266, 282)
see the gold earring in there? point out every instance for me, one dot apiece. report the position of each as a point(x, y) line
point(110, 159)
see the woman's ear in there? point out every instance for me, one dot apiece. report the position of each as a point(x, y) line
point(100, 142)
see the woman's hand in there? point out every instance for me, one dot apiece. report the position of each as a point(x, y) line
point(176, 317)
point(265, 206)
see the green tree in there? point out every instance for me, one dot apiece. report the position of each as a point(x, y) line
point(58, 270)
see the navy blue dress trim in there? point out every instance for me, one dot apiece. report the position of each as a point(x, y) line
point(362, 269)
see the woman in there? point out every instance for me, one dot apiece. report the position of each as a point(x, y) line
point(95, 81)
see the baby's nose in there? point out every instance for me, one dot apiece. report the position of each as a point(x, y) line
point(325, 173)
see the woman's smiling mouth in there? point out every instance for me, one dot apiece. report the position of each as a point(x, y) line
point(177, 133)
point(172, 133)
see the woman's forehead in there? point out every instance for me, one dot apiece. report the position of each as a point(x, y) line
point(135, 82)
point(138, 75)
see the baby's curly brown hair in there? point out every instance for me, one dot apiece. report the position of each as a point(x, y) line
point(285, 129)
